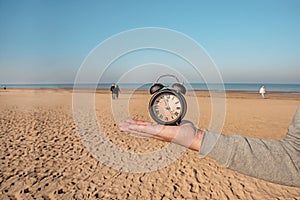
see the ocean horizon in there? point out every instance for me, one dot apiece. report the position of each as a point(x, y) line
point(247, 87)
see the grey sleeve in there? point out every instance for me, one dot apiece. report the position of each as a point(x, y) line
point(276, 161)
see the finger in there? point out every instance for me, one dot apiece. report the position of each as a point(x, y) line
point(137, 133)
point(145, 135)
point(143, 123)
point(144, 129)
point(149, 129)
point(124, 128)
point(137, 129)
point(139, 122)
point(127, 122)
point(131, 121)
point(123, 124)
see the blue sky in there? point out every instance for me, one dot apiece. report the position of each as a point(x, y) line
point(250, 41)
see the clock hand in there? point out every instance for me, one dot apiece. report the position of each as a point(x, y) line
point(170, 108)
point(166, 104)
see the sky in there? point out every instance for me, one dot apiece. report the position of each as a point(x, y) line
point(249, 41)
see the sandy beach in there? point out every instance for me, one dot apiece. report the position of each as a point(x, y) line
point(43, 157)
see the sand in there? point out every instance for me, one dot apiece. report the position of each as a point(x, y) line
point(43, 157)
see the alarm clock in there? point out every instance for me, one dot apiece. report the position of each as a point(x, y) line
point(167, 105)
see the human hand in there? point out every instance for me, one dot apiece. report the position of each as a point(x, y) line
point(185, 135)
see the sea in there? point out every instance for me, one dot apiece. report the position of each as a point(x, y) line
point(246, 87)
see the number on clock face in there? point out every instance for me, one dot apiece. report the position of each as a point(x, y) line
point(167, 107)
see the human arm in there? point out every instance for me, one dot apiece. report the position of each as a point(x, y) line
point(272, 160)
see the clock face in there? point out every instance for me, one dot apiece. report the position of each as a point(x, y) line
point(167, 107)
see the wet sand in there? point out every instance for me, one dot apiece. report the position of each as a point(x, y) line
point(43, 157)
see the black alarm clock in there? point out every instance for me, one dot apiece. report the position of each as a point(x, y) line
point(167, 105)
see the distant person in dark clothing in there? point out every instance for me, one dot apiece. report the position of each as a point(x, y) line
point(4, 87)
point(113, 92)
point(117, 90)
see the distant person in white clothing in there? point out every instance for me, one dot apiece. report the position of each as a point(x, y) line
point(262, 91)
